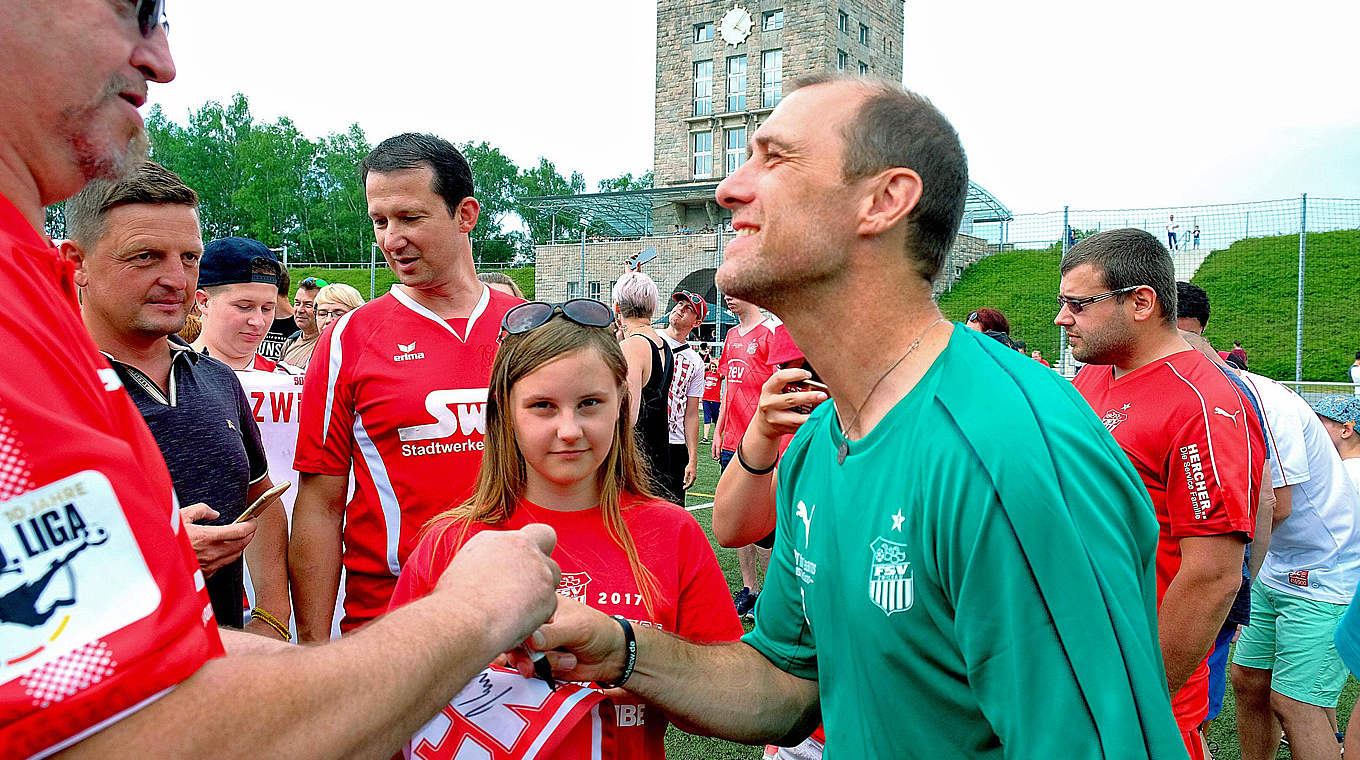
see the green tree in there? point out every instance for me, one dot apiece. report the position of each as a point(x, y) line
point(55, 223)
point(625, 182)
point(268, 180)
point(494, 178)
point(545, 180)
point(341, 229)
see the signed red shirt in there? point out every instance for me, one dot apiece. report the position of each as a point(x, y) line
point(694, 602)
point(1198, 446)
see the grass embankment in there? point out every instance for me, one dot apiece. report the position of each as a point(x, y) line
point(1022, 284)
point(359, 278)
point(1252, 287)
point(1253, 291)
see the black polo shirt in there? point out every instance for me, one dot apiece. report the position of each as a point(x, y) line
point(211, 445)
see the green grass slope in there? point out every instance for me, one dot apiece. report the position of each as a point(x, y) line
point(1253, 292)
point(1023, 285)
point(359, 278)
point(1252, 287)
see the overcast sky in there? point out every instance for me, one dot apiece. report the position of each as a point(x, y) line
point(1090, 104)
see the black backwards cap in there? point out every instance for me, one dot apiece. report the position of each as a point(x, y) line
point(236, 259)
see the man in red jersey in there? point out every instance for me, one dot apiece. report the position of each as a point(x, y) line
point(108, 647)
point(744, 367)
point(1189, 432)
point(396, 390)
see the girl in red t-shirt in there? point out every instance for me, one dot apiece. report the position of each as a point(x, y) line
point(712, 395)
point(560, 451)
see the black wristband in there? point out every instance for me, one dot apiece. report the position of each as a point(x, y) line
point(746, 466)
point(629, 655)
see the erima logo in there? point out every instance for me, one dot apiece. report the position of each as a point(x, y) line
point(407, 352)
point(1233, 416)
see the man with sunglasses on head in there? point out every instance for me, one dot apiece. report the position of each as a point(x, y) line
point(1190, 433)
point(396, 393)
point(108, 644)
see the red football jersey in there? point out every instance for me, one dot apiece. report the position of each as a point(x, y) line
point(712, 386)
point(694, 602)
point(745, 366)
point(399, 394)
point(1199, 449)
point(102, 606)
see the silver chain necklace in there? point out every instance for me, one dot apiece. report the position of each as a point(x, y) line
point(844, 449)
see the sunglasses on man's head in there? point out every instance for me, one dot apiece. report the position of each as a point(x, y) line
point(151, 14)
point(532, 315)
point(1075, 305)
point(313, 283)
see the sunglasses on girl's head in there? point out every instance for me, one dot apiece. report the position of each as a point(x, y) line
point(535, 314)
point(151, 14)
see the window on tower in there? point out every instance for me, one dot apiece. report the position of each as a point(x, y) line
point(736, 148)
point(843, 22)
point(771, 78)
point(842, 60)
point(736, 83)
point(703, 154)
point(703, 88)
point(703, 32)
point(864, 34)
point(773, 20)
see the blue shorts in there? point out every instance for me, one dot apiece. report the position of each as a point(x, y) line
point(724, 458)
point(711, 411)
point(1218, 670)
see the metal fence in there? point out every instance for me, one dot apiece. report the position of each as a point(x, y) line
point(1278, 273)
point(1283, 276)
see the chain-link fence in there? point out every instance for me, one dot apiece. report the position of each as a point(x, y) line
point(1278, 274)
point(1282, 275)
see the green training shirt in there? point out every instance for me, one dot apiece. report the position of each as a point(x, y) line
point(976, 580)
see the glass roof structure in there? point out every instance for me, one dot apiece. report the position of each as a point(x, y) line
point(630, 213)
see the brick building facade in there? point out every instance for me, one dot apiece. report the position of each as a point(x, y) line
point(721, 67)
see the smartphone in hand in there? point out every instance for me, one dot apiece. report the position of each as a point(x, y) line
point(261, 504)
point(804, 386)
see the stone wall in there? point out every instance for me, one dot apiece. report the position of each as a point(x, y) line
point(682, 260)
point(809, 40)
point(967, 251)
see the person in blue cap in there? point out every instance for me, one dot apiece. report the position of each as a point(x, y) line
point(1339, 415)
point(238, 283)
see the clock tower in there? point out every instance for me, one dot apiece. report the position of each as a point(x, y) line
point(722, 65)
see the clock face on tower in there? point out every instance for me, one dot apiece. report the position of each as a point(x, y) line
point(735, 26)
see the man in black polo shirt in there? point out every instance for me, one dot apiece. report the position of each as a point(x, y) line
point(136, 245)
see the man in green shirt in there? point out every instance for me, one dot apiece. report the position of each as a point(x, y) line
point(963, 562)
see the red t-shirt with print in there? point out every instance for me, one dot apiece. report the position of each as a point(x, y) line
point(694, 601)
point(103, 609)
point(1198, 446)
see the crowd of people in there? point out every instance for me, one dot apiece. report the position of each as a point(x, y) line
point(946, 548)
